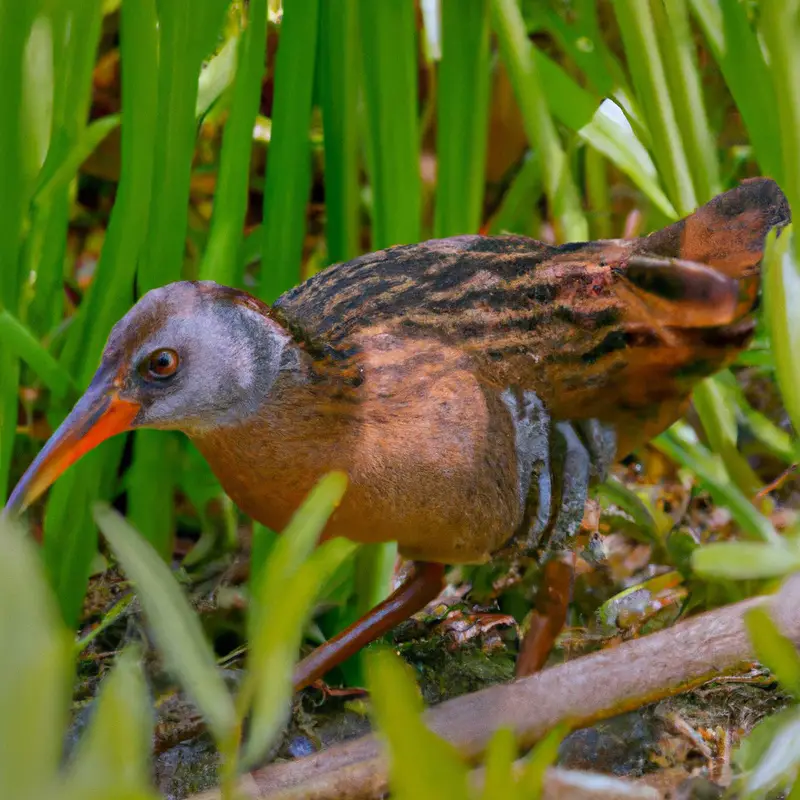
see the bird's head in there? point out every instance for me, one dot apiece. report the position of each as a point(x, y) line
point(188, 356)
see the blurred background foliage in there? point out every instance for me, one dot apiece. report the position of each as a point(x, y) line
point(253, 143)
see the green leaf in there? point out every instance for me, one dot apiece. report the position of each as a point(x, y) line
point(462, 116)
point(782, 299)
point(610, 134)
point(744, 560)
point(776, 742)
point(652, 91)
point(16, 20)
point(680, 444)
point(543, 756)
point(389, 73)
point(516, 51)
point(499, 775)
point(717, 410)
point(288, 178)
point(113, 754)
point(221, 261)
point(176, 628)
point(339, 87)
point(679, 47)
point(614, 492)
point(281, 604)
point(34, 670)
point(438, 771)
point(518, 212)
point(217, 75)
point(739, 53)
point(773, 649)
point(87, 143)
point(23, 344)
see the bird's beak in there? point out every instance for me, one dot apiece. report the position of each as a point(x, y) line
point(97, 416)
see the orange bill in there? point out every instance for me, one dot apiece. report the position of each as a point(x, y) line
point(97, 416)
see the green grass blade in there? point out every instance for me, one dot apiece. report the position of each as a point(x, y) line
point(736, 561)
point(292, 578)
point(518, 211)
point(603, 126)
point(15, 23)
point(91, 136)
point(438, 773)
point(597, 194)
point(718, 414)
point(74, 60)
point(222, 261)
point(17, 340)
point(288, 177)
point(111, 292)
point(175, 626)
point(462, 117)
point(389, 69)
point(686, 90)
point(781, 30)
point(680, 444)
point(782, 299)
point(500, 755)
point(274, 648)
point(542, 756)
point(216, 77)
point(187, 34)
point(70, 534)
point(34, 671)
point(113, 755)
point(581, 38)
point(774, 438)
point(738, 53)
point(652, 91)
point(773, 649)
point(517, 53)
point(339, 85)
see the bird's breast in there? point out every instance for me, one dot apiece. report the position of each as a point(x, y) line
point(430, 453)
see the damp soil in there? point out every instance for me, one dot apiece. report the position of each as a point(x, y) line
point(675, 745)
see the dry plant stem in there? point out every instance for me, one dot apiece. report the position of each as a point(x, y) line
point(569, 784)
point(559, 784)
point(586, 690)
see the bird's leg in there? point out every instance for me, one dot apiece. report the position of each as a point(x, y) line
point(423, 585)
point(571, 468)
point(549, 613)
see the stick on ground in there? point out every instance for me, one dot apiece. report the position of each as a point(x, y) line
point(584, 691)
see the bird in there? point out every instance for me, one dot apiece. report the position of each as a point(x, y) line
point(472, 388)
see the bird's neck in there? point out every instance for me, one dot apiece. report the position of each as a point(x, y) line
point(269, 460)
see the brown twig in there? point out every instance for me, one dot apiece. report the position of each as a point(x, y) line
point(777, 483)
point(583, 691)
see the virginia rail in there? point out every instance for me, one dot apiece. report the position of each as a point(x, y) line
point(471, 387)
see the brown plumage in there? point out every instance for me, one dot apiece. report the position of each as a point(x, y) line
point(403, 368)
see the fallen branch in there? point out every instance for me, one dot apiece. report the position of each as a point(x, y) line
point(584, 691)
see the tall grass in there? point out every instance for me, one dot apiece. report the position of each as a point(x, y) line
point(611, 117)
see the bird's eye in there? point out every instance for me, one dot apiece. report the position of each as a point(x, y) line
point(161, 364)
